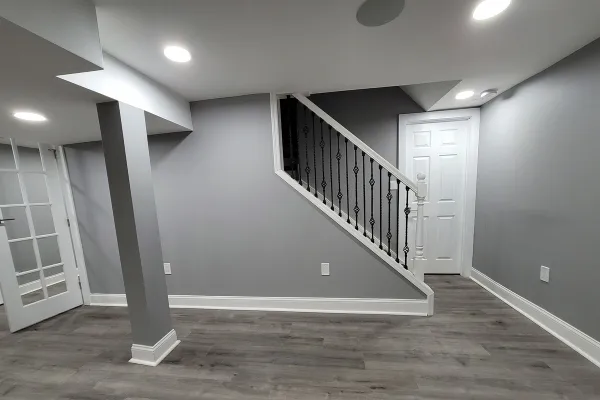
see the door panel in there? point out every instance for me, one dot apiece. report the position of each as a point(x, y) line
point(438, 150)
point(38, 275)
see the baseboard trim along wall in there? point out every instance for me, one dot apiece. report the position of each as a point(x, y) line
point(153, 355)
point(291, 304)
point(571, 336)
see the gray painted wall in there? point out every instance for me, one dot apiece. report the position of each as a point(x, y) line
point(538, 189)
point(228, 224)
point(371, 115)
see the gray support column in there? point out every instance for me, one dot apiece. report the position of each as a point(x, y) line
point(125, 143)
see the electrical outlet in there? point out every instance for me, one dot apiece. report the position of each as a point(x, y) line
point(545, 274)
point(325, 269)
point(167, 268)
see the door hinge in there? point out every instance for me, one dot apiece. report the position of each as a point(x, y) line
point(68, 222)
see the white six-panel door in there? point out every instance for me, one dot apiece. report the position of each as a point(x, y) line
point(439, 150)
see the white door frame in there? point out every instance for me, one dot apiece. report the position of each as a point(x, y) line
point(65, 180)
point(473, 116)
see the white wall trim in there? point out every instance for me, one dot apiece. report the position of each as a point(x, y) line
point(567, 333)
point(286, 304)
point(65, 179)
point(472, 115)
point(153, 355)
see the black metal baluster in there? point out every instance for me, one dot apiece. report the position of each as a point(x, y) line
point(372, 220)
point(306, 130)
point(389, 198)
point(406, 214)
point(356, 170)
point(347, 186)
point(314, 153)
point(338, 157)
point(331, 169)
point(297, 152)
point(288, 117)
point(398, 223)
point(380, 209)
point(364, 197)
point(322, 145)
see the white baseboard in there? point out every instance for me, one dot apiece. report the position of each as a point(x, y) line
point(571, 336)
point(291, 304)
point(153, 355)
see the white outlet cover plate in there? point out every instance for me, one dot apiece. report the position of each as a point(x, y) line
point(545, 274)
point(325, 269)
point(167, 268)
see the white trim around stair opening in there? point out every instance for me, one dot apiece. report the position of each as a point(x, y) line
point(565, 332)
point(414, 307)
point(153, 355)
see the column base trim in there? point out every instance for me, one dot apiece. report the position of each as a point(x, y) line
point(153, 355)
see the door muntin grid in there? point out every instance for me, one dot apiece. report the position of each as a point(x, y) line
point(33, 242)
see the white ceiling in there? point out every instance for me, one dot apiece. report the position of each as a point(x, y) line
point(28, 82)
point(253, 46)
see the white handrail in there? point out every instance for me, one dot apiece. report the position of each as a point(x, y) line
point(356, 141)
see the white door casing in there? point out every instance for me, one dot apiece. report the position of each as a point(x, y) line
point(51, 286)
point(443, 145)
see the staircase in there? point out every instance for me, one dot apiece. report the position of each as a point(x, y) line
point(352, 184)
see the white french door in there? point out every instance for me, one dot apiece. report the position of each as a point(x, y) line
point(38, 274)
point(438, 145)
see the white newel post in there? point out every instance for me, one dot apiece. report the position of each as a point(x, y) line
point(419, 263)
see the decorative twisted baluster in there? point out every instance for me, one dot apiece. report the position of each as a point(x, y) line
point(322, 145)
point(347, 186)
point(406, 214)
point(338, 157)
point(380, 209)
point(372, 220)
point(297, 152)
point(398, 222)
point(356, 170)
point(314, 153)
point(330, 170)
point(389, 199)
point(307, 169)
point(364, 197)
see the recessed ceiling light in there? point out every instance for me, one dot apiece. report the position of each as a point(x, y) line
point(467, 94)
point(489, 92)
point(489, 8)
point(29, 116)
point(177, 54)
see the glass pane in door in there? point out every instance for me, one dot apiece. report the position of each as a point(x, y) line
point(11, 191)
point(32, 296)
point(7, 161)
point(23, 255)
point(35, 186)
point(43, 223)
point(29, 159)
point(18, 228)
point(49, 251)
